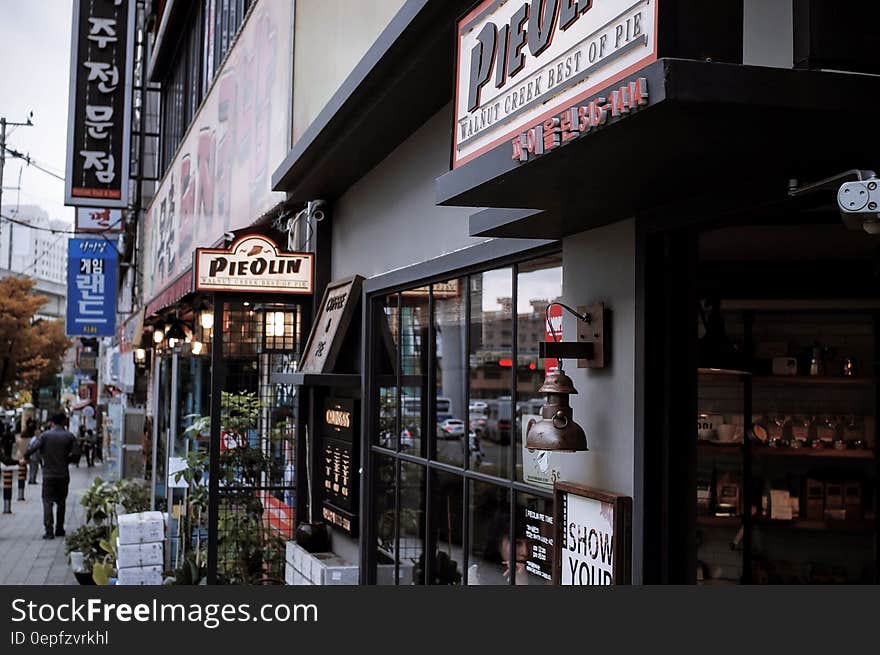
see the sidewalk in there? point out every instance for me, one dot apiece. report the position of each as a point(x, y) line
point(25, 557)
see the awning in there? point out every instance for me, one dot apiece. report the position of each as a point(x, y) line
point(182, 286)
point(713, 137)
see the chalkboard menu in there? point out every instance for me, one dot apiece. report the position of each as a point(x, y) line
point(340, 463)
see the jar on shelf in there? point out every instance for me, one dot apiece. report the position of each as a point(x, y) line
point(776, 431)
point(801, 429)
point(826, 432)
point(854, 433)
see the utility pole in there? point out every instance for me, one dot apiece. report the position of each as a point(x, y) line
point(3, 124)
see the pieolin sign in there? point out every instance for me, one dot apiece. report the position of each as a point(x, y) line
point(254, 263)
point(520, 62)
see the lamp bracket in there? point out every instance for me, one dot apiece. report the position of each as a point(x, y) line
point(592, 334)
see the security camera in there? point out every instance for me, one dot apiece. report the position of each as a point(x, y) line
point(859, 204)
point(315, 210)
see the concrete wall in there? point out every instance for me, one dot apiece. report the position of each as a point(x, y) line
point(331, 37)
point(599, 266)
point(388, 219)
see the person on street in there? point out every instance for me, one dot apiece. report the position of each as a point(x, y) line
point(33, 460)
point(57, 448)
point(90, 446)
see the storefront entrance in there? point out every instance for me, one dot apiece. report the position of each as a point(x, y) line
point(760, 401)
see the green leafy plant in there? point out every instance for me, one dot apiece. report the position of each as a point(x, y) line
point(87, 540)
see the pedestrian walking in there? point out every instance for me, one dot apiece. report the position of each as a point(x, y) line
point(57, 448)
point(91, 443)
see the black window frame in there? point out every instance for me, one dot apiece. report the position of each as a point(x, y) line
point(374, 309)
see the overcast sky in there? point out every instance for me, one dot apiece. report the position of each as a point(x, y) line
point(34, 76)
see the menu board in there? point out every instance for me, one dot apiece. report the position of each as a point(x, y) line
point(340, 463)
point(539, 536)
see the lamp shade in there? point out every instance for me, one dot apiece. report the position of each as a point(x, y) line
point(557, 429)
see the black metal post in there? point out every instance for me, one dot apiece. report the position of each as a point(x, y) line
point(218, 374)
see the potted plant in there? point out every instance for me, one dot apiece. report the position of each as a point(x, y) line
point(83, 547)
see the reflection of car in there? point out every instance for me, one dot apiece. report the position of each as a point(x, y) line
point(478, 424)
point(407, 439)
point(451, 428)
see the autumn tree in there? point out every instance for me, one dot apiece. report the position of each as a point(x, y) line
point(31, 349)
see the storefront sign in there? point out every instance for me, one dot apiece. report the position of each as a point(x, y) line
point(520, 62)
point(93, 219)
point(254, 264)
point(91, 288)
point(579, 120)
point(329, 328)
point(592, 537)
point(99, 124)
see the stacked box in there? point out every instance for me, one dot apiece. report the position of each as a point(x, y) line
point(140, 548)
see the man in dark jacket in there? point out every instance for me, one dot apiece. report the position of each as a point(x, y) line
point(57, 448)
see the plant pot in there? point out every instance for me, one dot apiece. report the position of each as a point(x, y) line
point(313, 537)
point(84, 577)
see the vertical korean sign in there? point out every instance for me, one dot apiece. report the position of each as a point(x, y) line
point(91, 288)
point(99, 124)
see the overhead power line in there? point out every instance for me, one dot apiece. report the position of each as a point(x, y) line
point(35, 227)
point(32, 162)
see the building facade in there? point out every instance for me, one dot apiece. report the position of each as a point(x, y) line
point(462, 168)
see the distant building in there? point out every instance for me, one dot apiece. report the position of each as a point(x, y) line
point(37, 253)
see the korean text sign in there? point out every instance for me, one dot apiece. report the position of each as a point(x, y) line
point(91, 288)
point(98, 131)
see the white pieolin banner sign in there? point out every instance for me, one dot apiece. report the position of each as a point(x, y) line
point(253, 263)
point(519, 62)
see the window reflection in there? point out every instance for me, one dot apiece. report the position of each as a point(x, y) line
point(489, 535)
point(491, 362)
point(412, 523)
point(539, 283)
point(446, 529)
point(384, 511)
point(386, 365)
point(450, 342)
point(415, 323)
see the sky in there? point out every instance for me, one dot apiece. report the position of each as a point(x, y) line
point(34, 76)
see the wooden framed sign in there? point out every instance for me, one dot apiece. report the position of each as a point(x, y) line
point(592, 537)
point(328, 331)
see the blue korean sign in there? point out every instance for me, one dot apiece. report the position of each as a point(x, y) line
point(91, 288)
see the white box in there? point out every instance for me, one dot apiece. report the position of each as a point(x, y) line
point(149, 554)
point(140, 528)
point(330, 569)
point(140, 576)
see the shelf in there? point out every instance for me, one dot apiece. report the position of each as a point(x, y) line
point(848, 526)
point(719, 521)
point(812, 380)
point(824, 453)
point(722, 373)
point(709, 449)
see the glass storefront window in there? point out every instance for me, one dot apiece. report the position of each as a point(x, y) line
point(450, 343)
point(414, 328)
point(539, 283)
point(489, 562)
point(446, 538)
point(491, 364)
point(454, 366)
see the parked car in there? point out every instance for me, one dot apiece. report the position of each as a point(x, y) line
point(407, 439)
point(451, 428)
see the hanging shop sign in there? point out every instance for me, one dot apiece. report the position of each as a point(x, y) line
point(91, 288)
point(520, 63)
point(592, 536)
point(340, 464)
point(253, 263)
point(94, 219)
point(329, 329)
point(99, 124)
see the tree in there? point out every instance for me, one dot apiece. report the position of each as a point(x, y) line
point(30, 348)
